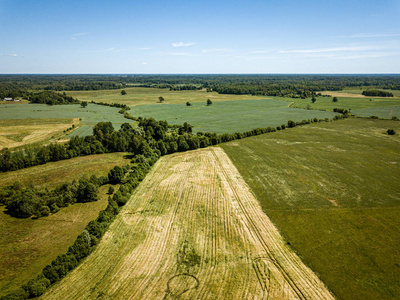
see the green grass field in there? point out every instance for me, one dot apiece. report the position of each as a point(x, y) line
point(28, 245)
point(143, 96)
point(395, 93)
point(90, 115)
point(353, 103)
point(382, 112)
point(229, 116)
point(333, 191)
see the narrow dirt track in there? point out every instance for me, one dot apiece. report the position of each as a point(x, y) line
point(192, 230)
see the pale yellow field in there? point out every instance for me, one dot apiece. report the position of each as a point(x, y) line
point(15, 133)
point(192, 230)
point(349, 95)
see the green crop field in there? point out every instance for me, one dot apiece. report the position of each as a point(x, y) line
point(144, 96)
point(353, 103)
point(28, 245)
point(229, 116)
point(386, 112)
point(333, 191)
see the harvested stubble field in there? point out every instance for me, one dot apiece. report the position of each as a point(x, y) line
point(192, 230)
point(333, 190)
point(20, 132)
point(28, 245)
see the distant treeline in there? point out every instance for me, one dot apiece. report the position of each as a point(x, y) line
point(377, 93)
point(51, 98)
point(270, 85)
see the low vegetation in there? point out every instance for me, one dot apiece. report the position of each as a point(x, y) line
point(193, 230)
point(331, 189)
point(28, 245)
point(22, 132)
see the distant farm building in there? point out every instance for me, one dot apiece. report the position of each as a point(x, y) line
point(8, 99)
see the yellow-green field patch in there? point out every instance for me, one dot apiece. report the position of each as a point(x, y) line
point(142, 96)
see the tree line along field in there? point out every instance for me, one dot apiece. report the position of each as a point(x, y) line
point(192, 230)
point(28, 245)
point(333, 191)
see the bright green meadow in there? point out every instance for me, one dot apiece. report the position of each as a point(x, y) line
point(333, 190)
point(229, 116)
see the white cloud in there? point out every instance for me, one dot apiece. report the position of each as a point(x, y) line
point(10, 55)
point(180, 53)
point(75, 35)
point(334, 49)
point(181, 44)
point(144, 63)
point(376, 35)
point(218, 50)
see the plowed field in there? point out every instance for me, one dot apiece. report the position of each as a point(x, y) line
point(192, 230)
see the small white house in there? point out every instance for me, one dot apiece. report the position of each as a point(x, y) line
point(8, 99)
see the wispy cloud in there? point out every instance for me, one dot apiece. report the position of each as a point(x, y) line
point(144, 63)
point(9, 55)
point(143, 48)
point(180, 53)
point(79, 34)
point(218, 50)
point(182, 44)
point(102, 50)
point(374, 35)
point(334, 49)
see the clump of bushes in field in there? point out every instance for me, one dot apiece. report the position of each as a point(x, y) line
point(29, 201)
point(391, 132)
point(377, 93)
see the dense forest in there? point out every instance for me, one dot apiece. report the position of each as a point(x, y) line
point(271, 85)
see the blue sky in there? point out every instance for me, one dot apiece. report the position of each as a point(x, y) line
point(219, 36)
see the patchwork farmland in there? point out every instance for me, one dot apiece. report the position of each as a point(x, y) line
point(192, 230)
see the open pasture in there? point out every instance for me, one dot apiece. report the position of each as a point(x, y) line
point(144, 96)
point(192, 230)
point(89, 116)
point(333, 191)
point(353, 103)
point(229, 116)
point(386, 112)
point(20, 132)
point(28, 245)
point(354, 92)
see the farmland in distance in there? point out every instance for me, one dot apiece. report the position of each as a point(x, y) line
point(192, 230)
point(333, 191)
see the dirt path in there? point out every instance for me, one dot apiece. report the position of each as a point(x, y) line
point(192, 230)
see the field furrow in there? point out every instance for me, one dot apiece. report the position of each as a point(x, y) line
point(192, 230)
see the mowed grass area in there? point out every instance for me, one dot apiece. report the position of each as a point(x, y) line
point(333, 190)
point(55, 173)
point(143, 96)
point(28, 245)
point(229, 116)
point(21, 132)
point(191, 230)
point(89, 116)
point(354, 92)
